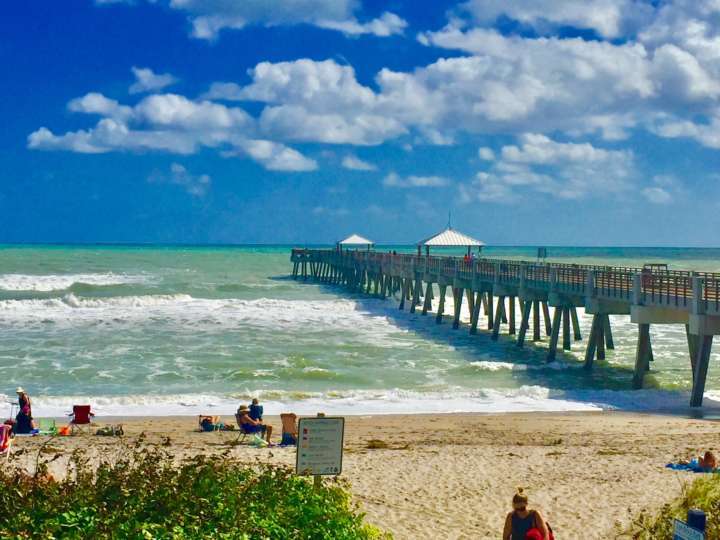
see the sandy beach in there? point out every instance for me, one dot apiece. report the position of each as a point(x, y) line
point(452, 476)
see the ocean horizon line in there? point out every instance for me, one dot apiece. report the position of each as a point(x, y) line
point(330, 244)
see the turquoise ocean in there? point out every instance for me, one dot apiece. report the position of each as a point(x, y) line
point(157, 330)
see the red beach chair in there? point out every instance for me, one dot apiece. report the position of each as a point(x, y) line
point(5, 440)
point(81, 417)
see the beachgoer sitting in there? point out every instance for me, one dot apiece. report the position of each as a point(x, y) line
point(522, 521)
point(708, 461)
point(256, 410)
point(23, 420)
point(250, 425)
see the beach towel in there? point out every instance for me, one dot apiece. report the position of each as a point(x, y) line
point(693, 466)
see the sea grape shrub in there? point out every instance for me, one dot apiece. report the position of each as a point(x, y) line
point(703, 493)
point(147, 495)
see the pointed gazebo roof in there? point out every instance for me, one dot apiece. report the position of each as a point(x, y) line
point(356, 240)
point(451, 238)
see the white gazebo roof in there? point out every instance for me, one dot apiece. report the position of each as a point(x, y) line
point(356, 240)
point(451, 238)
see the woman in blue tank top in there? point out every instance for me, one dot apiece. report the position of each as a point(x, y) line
point(521, 520)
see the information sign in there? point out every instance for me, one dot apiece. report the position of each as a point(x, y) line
point(683, 531)
point(320, 445)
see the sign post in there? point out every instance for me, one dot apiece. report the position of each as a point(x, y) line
point(320, 447)
point(683, 531)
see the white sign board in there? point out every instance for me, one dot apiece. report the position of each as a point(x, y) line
point(320, 445)
point(684, 532)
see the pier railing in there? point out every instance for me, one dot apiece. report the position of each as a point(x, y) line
point(656, 287)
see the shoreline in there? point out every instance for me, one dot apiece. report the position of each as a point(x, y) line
point(525, 399)
point(458, 471)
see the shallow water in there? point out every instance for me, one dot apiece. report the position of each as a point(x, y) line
point(178, 330)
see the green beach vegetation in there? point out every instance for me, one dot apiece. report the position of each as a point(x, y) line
point(149, 495)
point(703, 493)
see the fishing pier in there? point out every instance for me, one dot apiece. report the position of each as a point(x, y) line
point(494, 288)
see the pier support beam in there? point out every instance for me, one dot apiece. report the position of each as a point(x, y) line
point(498, 317)
point(566, 328)
point(576, 324)
point(704, 345)
point(609, 343)
point(601, 339)
point(441, 304)
point(554, 334)
point(524, 322)
point(427, 304)
point(642, 355)
point(546, 317)
point(470, 301)
point(511, 315)
point(692, 341)
point(592, 341)
point(475, 313)
point(457, 300)
point(403, 293)
point(416, 295)
point(489, 310)
point(536, 320)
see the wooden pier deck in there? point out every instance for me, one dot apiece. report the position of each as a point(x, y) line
point(497, 286)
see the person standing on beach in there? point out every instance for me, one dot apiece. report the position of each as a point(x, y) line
point(522, 521)
point(23, 420)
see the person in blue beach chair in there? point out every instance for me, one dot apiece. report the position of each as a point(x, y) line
point(247, 424)
point(256, 410)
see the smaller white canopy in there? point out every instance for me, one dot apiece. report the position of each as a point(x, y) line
point(356, 240)
point(451, 238)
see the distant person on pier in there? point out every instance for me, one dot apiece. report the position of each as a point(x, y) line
point(23, 420)
point(248, 425)
point(523, 523)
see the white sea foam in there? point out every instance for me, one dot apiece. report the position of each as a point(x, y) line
point(181, 309)
point(59, 282)
point(373, 402)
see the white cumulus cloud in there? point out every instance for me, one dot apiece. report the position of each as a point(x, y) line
point(195, 184)
point(393, 180)
point(565, 170)
point(146, 80)
point(209, 17)
point(354, 163)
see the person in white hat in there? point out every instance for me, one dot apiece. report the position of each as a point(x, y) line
point(23, 420)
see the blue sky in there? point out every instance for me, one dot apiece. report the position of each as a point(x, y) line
point(593, 122)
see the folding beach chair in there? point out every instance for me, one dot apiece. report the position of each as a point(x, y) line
point(81, 418)
point(289, 429)
point(243, 432)
point(5, 440)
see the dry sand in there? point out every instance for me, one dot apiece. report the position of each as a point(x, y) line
point(452, 476)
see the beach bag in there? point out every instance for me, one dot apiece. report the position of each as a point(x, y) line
point(258, 442)
point(535, 534)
